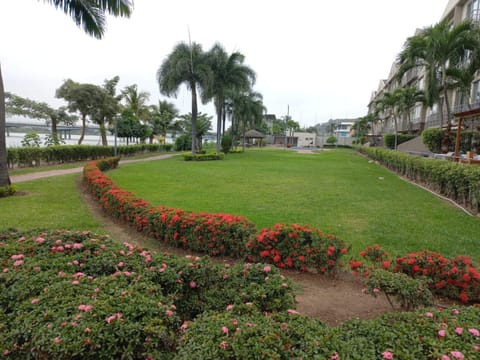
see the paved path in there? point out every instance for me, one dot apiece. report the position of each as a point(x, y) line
point(50, 173)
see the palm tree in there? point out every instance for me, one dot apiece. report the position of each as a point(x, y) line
point(439, 49)
point(187, 64)
point(91, 16)
point(390, 105)
point(248, 110)
point(229, 74)
point(409, 97)
point(136, 101)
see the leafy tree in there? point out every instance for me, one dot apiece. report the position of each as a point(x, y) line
point(164, 118)
point(31, 139)
point(130, 127)
point(186, 64)
point(442, 50)
point(409, 97)
point(91, 16)
point(17, 105)
point(229, 74)
point(83, 98)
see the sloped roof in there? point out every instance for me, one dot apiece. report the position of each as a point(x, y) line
point(254, 134)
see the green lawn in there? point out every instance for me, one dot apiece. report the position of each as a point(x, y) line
point(50, 203)
point(337, 191)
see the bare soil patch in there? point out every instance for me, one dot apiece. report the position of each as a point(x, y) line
point(331, 300)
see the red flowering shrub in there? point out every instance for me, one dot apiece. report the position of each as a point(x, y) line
point(296, 247)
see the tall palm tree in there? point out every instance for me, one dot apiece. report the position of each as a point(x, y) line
point(439, 49)
point(187, 64)
point(229, 73)
point(136, 101)
point(91, 16)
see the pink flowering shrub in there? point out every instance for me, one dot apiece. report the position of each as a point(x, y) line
point(77, 294)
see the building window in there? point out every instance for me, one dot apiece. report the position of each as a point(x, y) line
point(473, 11)
point(476, 93)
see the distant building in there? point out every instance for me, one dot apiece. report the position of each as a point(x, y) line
point(343, 129)
point(305, 139)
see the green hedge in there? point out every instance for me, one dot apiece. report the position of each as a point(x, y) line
point(203, 157)
point(456, 181)
point(34, 156)
point(389, 139)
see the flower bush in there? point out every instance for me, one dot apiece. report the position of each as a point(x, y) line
point(410, 293)
point(286, 246)
point(297, 247)
point(242, 332)
point(456, 278)
point(78, 295)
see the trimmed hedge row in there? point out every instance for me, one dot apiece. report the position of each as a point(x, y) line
point(456, 181)
point(34, 156)
point(290, 246)
point(389, 139)
point(203, 157)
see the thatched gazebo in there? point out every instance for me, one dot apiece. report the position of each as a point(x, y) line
point(252, 135)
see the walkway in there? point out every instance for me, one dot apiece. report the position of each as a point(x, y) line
point(44, 174)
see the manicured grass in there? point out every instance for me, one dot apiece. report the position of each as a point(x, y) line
point(337, 191)
point(50, 203)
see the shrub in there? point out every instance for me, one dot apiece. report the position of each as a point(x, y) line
point(389, 139)
point(297, 247)
point(203, 157)
point(8, 190)
point(331, 140)
point(410, 293)
point(226, 143)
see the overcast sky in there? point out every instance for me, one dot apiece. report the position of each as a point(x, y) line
point(320, 58)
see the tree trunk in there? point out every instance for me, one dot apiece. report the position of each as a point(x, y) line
point(103, 133)
point(4, 178)
point(53, 119)
point(243, 135)
point(219, 108)
point(84, 125)
point(194, 118)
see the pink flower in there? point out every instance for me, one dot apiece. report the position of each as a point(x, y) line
point(85, 308)
point(35, 301)
point(184, 326)
point(387, 355)
point(113, 317)
point(21, 239)
point(445, 357)
point(75, 282)
point(78, 275)
point(249, 324)
point(459, 331)
point(39, 240)
point(376, 291)
point(5, 270)
point(78, 246)
point(57, 340)
point(335, 356)
point(455, 312)
point(291, 311)
point(474, 332)
point(476, 348)
point(17, 257)
point(169, 312)
point(457, 355)
point(429, 315)
point(229, 307)
point(224, 330)
point(18, 263)
point(224, 344)
point(193, 284)
point(442, 333)
point(267, 268)
point(87, 330)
